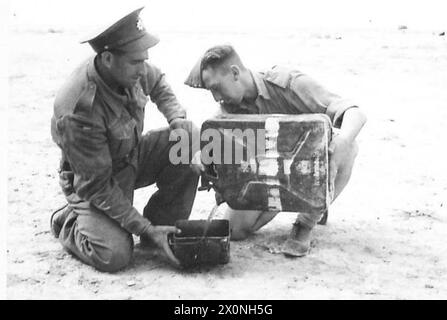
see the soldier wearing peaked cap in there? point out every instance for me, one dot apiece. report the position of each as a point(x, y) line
point(98, 124)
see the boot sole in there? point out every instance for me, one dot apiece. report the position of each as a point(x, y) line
point(54, 228)
point(299, 252)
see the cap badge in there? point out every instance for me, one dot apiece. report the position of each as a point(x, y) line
point(140, 25)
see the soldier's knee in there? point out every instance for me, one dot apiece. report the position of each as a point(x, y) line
point(350, 158)
point(242, 222)
point(345, 168)
point(116, 257)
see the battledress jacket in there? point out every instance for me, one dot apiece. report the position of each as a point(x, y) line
point(98, 132)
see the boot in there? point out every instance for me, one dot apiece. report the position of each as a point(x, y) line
point(57, 220)
point(298, 243)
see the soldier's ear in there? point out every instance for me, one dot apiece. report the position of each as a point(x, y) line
point(106, 59)
point(235, 71)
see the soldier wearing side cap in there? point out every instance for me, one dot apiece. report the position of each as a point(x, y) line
point(98, 123)
point(280, 90)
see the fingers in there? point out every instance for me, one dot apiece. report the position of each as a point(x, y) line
point(161, 238)
point(331, 148)
point(332, 170)
point(181, 124)
point(169, 229)
point(169, 254)
point(173, 124)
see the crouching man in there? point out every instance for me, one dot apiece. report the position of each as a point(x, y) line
point(282, 91)
point(98, 124)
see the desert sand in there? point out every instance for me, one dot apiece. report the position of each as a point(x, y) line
point(385, 238)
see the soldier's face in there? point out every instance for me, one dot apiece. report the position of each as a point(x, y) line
point(225, 85)
point(127, 68)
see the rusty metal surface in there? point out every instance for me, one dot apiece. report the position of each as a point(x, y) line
point(292, 173)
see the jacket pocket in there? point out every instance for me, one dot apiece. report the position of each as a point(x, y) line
point(122, 138)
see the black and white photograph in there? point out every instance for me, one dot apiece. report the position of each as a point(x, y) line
point(223, 150)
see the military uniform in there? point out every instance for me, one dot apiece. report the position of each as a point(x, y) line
point(105, 157)
point(284, 90)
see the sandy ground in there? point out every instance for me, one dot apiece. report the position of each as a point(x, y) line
point(385, 238)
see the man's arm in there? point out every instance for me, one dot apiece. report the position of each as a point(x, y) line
point(343, 113)
point(317, 99)
point(162, 95)
point(85, 145)
point(352, 123)
point(160, 92)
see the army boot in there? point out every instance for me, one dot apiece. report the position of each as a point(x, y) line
point(298, 242)
point(58, 218)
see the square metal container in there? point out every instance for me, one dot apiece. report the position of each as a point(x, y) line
point(201, 242)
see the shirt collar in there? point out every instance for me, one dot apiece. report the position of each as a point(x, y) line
point(260, 85)
point(262, 92)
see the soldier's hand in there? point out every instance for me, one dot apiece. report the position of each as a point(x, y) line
point(159, 235)
point(338, 150)
point(180, 123)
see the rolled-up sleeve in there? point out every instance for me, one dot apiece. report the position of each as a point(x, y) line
point(161, 94)
point(84, 143)
point(317, 99)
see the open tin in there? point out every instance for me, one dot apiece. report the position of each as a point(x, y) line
point(201, 242)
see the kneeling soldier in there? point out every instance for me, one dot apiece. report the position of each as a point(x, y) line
point(98, 124)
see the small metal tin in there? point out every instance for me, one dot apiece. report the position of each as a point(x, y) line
point(201, 242)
